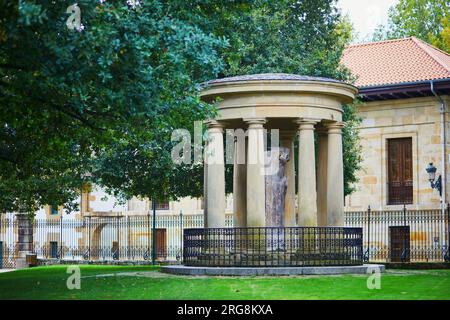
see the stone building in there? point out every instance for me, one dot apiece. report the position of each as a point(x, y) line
point(404, 85)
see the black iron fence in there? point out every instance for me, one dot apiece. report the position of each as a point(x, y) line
point(8, 242)
point(108, 238)
point(99, 238)
point(272, 246)
point(403, 235)
point(388, 236)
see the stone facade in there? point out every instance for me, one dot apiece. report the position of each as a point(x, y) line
point(418, 118)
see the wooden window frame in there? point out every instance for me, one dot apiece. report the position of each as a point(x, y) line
point(161, 205)
point(400, 191)
point(383, 192)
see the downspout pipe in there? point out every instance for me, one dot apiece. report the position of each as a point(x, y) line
point(442, 109)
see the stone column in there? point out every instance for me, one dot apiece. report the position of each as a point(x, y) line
point(335, 176)
point(256, 202)
point(205, 188)
point(287, 141)
point(240, 183)
point(215, 177)
point(322, 177)
point(307, 194)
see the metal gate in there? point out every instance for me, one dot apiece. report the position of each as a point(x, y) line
point(161, 244)
point(399, 240)
point(418, 236)
point(8, 241)
point(7, 256)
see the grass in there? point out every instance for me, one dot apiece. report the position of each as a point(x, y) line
point(146, 282)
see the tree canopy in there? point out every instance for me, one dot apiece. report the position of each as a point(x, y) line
point(428, 20)
point(89, 104)
point(98, 103)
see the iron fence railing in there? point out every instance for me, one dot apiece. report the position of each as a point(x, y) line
point(396, 235)
point(8, 242)
point(403, 235)
point(272, 246)
point(102, 238)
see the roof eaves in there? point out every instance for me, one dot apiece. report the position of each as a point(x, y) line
point(394, 84)
point(402, 84)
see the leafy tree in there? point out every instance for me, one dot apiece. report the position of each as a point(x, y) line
point(300, 37)
point(352, 150)
point(105, 95)
point(98, 104)
point(425, 19)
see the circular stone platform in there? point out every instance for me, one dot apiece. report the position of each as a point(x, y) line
point(271, 271)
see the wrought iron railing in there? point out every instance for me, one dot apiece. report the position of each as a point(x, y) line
point(100, 253)
point(8, 255)
point(129, 238)
point(272, 246)
point(403, 235)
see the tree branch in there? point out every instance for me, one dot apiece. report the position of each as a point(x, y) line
point(12, 66)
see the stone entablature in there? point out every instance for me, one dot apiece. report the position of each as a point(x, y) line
point(278, 96)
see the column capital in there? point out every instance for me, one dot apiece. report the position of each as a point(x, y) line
point(255, 123)
point(306, 123)
point(334, 127)
point(214, 124)
point(322, 130)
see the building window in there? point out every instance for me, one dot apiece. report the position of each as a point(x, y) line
point(53, 249)
point(53, 210)
point(400, 172)
point(161, 205)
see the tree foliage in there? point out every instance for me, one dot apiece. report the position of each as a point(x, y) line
point(98, 104)
point(299, 37)
point(428, 20)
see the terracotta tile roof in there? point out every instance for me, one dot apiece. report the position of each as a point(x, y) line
point(395, 61)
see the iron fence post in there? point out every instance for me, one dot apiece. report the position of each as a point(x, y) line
point(127, 221)
point(89, 238)
point(154, 233)
point(61, 237)
point(368, 234)
point(404, 253)
point(181, 234)
point(447, 255)
point(1, 243)
point(117, 253)
point(147, 256)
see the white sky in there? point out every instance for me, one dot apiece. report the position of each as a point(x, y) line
point(366, 15)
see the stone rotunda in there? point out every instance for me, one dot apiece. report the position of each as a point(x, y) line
point(270, 234)
point(296, 105)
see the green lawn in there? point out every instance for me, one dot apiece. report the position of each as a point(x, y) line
point(146, 282)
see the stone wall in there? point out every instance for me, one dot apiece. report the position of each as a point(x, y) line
point(418, 118)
